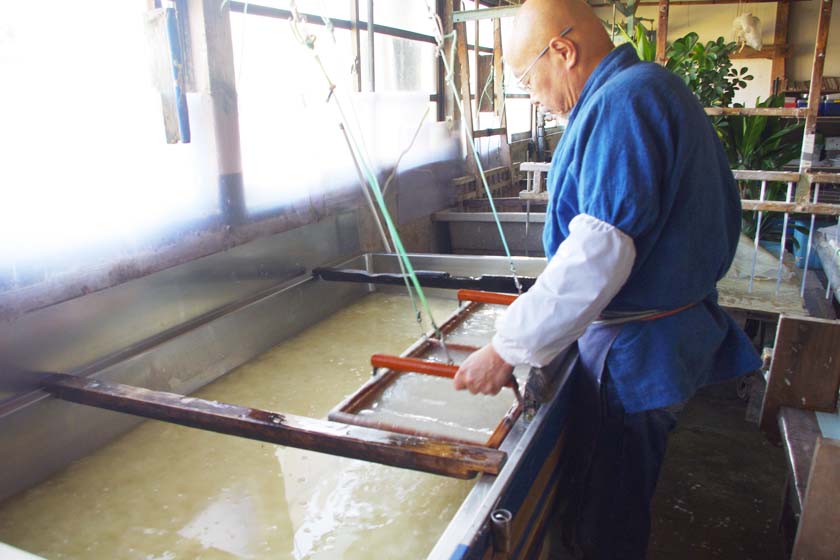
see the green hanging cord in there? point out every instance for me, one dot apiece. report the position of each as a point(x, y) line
point(365, 189)
point(400, 249)
point(309, 41)
point(395, 237)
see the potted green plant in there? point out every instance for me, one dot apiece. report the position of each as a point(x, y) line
point(705, 68)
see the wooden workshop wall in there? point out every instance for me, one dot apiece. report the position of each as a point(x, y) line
point(803, 33)
point(713, 21)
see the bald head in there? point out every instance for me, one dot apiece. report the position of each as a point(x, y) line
point(570, 58)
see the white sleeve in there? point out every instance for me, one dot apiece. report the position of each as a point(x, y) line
point(584, 275)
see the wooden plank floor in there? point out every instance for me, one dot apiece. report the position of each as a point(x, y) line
point(721, 487)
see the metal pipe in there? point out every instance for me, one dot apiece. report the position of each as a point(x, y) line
point(527, 224)
point(500, 522)
point(784, 238)
point(541, 147)
point(364, 185)
point(810, 237)
point(177, 59)
point(757, 237)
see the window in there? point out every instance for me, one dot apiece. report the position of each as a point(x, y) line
point(339, 9)
point(292, 147)
point(85, 163)
point(406, 56)
point(405, 65)
point(410, 15)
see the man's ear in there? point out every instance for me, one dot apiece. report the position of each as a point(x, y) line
point(566, 49)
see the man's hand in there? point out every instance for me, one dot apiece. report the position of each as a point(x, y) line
point(484, 371)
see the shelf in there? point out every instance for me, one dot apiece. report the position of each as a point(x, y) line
point(790, 112)
point(829, 85)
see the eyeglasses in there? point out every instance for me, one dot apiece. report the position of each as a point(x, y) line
point(520, 82)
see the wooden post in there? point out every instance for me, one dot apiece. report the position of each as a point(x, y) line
point(440, 74)
point(499, 97)
point(803, 373)
point(498, 74)
point(780, 40)
point(809, 137)
point(662, 33)
point(466, 97)
point(817, 537)
point(453, 114)
point(212, 57)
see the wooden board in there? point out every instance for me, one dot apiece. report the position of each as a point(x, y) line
point(410, 452)
point(780, 37)
point(805, 371)
point(818, 537)
point(662, 33)
point(499, 95)
point(799, 430)
point(807, 157)
point(464, 78)
point(348, 411)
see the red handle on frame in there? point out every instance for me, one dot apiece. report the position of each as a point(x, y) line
point(398, 363)
point(478, 296)
point(416, 365)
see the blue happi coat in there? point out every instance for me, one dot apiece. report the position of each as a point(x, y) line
point(639, 153)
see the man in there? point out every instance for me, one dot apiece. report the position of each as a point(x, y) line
point(642, 221)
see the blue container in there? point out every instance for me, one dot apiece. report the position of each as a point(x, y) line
point(829, 109)
point(771, 246)
point(825, 108)
point(774, 229)
point(801, 237)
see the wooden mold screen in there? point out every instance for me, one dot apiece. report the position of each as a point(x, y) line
point(394, 368)
point(398, 450)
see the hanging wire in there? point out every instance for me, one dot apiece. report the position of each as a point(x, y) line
point(371, 204)
point(366, 187)
point(308, 40)
point(490, 76)
point(757, 238)
point(405, 151)
point(365, 190)
point(440, 37)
